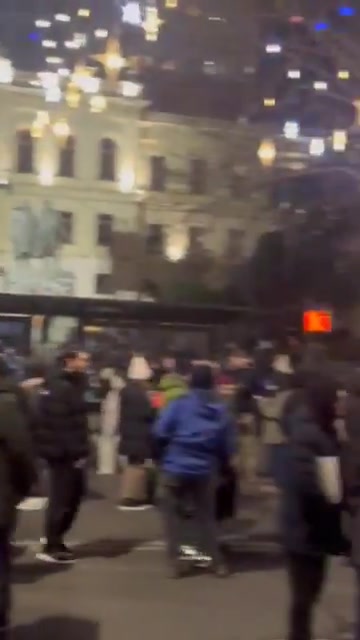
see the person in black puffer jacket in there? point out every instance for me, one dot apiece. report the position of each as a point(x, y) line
point(63, 441)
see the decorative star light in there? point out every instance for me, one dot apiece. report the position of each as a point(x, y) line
point(112, 59)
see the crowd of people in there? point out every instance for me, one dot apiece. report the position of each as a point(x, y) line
point(187, 426)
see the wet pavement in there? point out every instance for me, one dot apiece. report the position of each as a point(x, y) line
point(120, 588)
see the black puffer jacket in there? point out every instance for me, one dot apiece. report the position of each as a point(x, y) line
point(63, 427)
point(136, 420)
point(17, 462)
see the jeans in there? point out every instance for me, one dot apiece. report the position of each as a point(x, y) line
point(5, 567)
point(66, 490)
point(190, 498)
point(306, 577)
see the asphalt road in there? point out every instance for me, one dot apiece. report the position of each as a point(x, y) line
point(119, 587)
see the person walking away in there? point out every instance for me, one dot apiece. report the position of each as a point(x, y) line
point(107, 446)
point(63, 442)
point(195, 440)
point(135, 425)
point(312, 493)
point(17, 475)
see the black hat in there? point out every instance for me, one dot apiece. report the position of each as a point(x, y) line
point(202, 377)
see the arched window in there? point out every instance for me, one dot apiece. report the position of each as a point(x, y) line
point(25, 151)
point(67, 158)
point(107, 159)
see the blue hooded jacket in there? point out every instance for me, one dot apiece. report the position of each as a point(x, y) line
point(195, 435)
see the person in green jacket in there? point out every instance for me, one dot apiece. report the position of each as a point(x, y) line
point(172, 386)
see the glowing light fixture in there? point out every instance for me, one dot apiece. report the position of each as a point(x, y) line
point(46, 177)
point(48, 79)
point(83, 78)
point(321, 26)
point(273, 48)
point(42, 24)
point(343, 74)
point(84, 13)
point(7, 72)
point(101, 33)
point(294, 74)
point(291, 130)
point(112, 59)
point(319, 85)
point(72, 95)
point(346, 12)
point(131, 14)
point(152, 24)
point(54, 60)
point(177, 243)
point(62, 17)
point(98, 104)
point(61, 129)
point(339, 141)
point(127, 181)
point(64, 73)
point(317, 147)
point(269, 102)
point(171, 4)
point(131, 89)
point(267, 153)
point(53, 94)
point(49, 44)
point(71, 44)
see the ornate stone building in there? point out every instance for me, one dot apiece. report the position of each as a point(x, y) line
point(99, 201)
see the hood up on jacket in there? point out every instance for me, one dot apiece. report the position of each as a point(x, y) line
point(139, 369)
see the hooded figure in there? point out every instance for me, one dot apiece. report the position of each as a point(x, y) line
point(136, 413)
point(172, 386)
point(195, 439)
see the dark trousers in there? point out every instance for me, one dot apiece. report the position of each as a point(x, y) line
point(190, 498)
point(5, 566)
point(306, 578)
point(66, 490)
point(357, 603)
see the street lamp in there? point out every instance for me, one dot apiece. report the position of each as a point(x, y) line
point(177, 243)
point(61, 129)
point(267, 153)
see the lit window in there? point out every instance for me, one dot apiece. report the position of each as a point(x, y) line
point(269, 102)
point(62, 17)
point(49, 44)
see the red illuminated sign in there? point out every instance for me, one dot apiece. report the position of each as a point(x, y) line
point(319, 321)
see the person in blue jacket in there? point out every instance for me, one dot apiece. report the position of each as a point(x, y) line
point(195, 440)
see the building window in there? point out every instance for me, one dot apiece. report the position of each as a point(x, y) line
point(103, 284)
point(107, 159)
point(67, 158)
point(198, 176)
point(104, 230)
point(25, 152)
point(155, 239)
point(236, 186)
point(235, 244)
point(158, 173)
point(195, 239)
point(66, 227)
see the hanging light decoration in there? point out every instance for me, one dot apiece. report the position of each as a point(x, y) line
point(339, 141)
point(61, 130)
point(98, 103)
point(177, 243)
point(267, 153)
point(72, 95)
point(152, 24)
point(112, 59)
